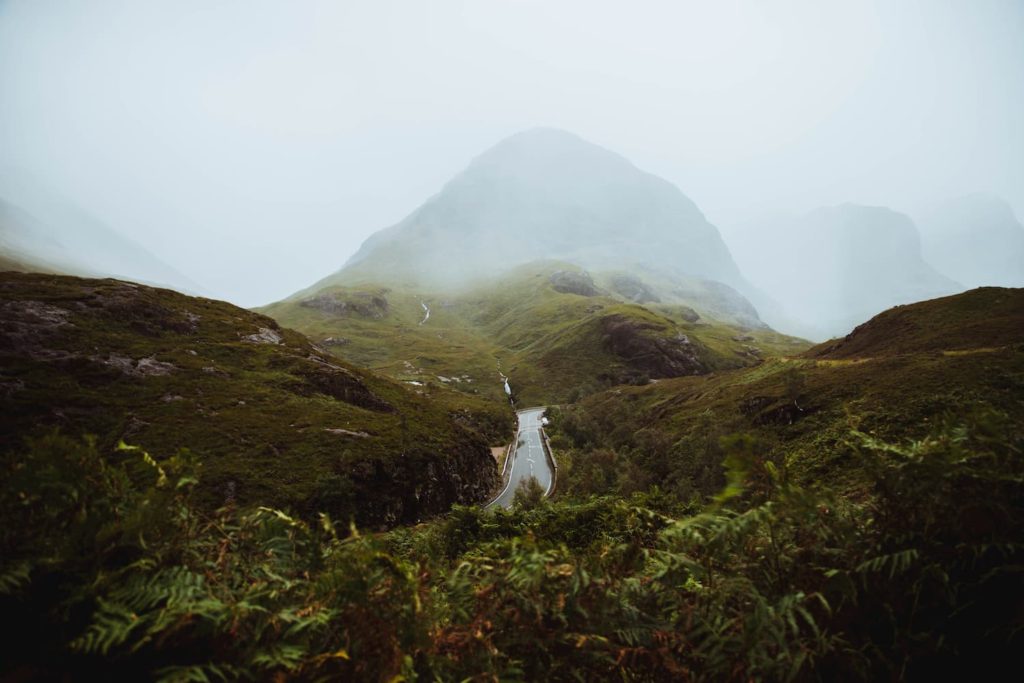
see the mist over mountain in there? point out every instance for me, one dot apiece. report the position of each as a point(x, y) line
point(837, 266)
point(548, 194)
point(976, 240)
point(44, 232)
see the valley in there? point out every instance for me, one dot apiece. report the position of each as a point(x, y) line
point(542, 428)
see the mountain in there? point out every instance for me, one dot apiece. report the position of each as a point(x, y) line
point(839, 265)
point(546, 194)
point(977, 240)
point(550, 261)
point(272, 418)
point(44, 232)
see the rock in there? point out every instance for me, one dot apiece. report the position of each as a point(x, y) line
point(43, 313)
point(152, 367)
point(634, 289)
point(334, 341)
point(26, 325)
point(144, 367)
point(346, 432)
point(264, 336)
point(569, 282)
point(321, 377)
point(645, 349)
point(362, 304)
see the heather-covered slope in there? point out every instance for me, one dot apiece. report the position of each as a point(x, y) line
point(894, 377)
point(984, 318)
point(554, 329)
point(274, 419)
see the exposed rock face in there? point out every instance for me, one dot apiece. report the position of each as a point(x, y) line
point(362, 304)
point(643, 347)
point(144, 367)
point(569, 282)
point(25, 325)
point(634, 289)
point(460, 475)
point(265, 335)
point(323, 377)
point(334, 341)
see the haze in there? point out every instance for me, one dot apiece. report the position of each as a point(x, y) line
point(253, 146)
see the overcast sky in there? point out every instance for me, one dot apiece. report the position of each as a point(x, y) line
point(254, 145)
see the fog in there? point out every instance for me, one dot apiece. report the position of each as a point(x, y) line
point(254, 145)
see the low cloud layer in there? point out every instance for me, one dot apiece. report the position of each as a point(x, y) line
point(254, 145)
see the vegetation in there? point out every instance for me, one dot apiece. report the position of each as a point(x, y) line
point(554, 339)
point(275, 419)
point(111, 570)
point(800, 409)
point(832, 515)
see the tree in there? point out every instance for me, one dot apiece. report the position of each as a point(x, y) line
point(529, 494)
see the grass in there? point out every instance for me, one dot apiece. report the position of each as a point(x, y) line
point(552, 344)
point(280, 424)
point(801, 409)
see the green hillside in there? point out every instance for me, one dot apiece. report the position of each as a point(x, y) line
point(552, 328)
point(274, 419)
point(894, 377)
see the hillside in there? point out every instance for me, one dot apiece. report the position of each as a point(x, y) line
point(850, 531)
point(985, 318)
point(895, 377)
point(274, 419)
point(554, 329)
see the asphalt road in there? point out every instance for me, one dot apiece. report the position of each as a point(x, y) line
point(528, 458)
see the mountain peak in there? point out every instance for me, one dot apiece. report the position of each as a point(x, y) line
point(545, 193)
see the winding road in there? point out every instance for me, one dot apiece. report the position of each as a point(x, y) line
point(528, 459)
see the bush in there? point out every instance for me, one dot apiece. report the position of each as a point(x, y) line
point(107, 570)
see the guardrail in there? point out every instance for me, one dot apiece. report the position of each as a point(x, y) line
point(551, 461)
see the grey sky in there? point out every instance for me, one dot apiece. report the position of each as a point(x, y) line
point(254, 145)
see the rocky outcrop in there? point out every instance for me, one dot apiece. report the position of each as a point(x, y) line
point(319, 376)
point(144, 367)
point(265, 335)
point(647, 348)
point(424, 482)
point(569, 282)
point(360, 304)
point(634, 289)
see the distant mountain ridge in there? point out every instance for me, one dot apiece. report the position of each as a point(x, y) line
point(836, 266)
point(976, 239)
point(546, 194)
point(41, 231)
